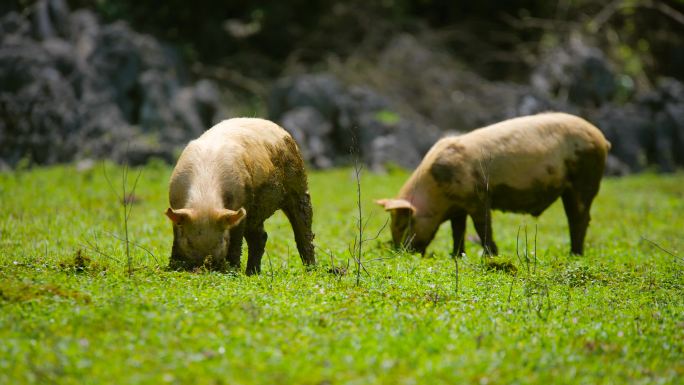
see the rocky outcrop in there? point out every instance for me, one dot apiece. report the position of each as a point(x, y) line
point(73, 88)
point(413, 94)
point(577, 73)
point(334, 122)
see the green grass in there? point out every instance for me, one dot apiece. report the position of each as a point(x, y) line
point(71, 315)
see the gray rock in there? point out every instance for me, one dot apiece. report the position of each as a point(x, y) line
point(13, 24)
point(667, 106)
point(628, 129)
point(196, 108)
point(304, 122)
point(389, 149)
point(208, 103)
point(319, 91)
point(616, 167)
point(311, 130)
point(333, 123)
point(183, 104)
point(83, 32)
point(675, 112)
point(71, 88)
point(154, 110)
point(576, 72)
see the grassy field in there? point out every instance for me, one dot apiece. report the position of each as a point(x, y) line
point(71, 313)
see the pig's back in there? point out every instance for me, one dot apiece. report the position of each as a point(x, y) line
point(232, 158)
point(527, 150)
point(257, 147)
point(526, 157)
point(244, 133)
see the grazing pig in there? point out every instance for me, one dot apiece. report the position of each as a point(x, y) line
point(226, 184)
point(520, 165)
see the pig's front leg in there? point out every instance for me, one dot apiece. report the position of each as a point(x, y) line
point(235, 246)
point(458, 229)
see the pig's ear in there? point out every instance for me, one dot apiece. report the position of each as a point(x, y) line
point(396, 204)
point(178, 217)
point(232, 218)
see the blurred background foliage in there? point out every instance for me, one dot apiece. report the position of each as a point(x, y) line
point(500, 40)
point(81, 77)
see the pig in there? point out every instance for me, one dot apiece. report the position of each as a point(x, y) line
point(520, 165)
point(226, 184)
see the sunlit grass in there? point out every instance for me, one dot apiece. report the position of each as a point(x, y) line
point(71, 314)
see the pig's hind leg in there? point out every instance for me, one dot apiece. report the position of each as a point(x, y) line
point(299, 212)
point(483, 226)
point(577, 199)
point(577, 204)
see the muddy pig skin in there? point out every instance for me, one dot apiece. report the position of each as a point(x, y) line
point(226, 184)
point(520, 165)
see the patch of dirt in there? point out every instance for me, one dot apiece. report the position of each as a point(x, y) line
point(12, 291)
point(500, 264)
point(81, 263)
